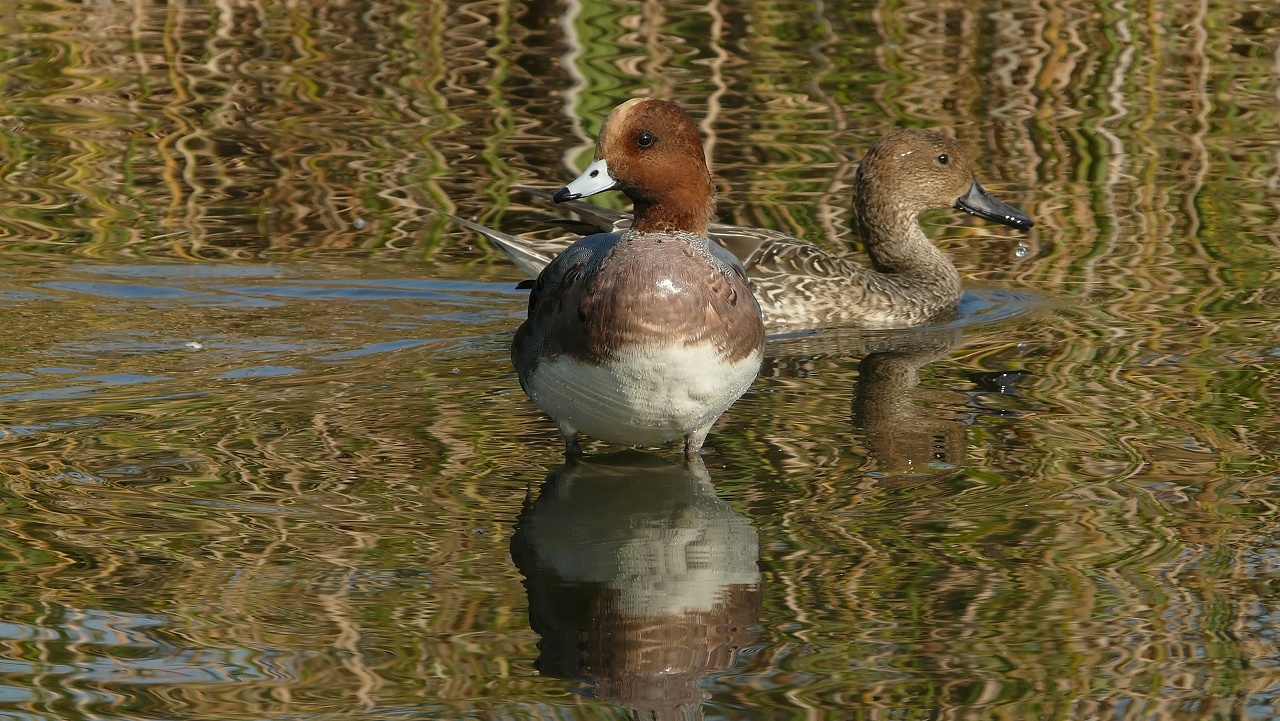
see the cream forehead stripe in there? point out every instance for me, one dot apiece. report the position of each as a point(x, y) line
point(618, 118)
point(622, 111)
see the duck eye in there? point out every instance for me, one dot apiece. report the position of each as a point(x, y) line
point(944, 159)
point(644, 139)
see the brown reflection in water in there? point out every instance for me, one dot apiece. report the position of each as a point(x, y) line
point(905, 427)
point(640, 579)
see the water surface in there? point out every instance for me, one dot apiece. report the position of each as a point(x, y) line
point(264, 457)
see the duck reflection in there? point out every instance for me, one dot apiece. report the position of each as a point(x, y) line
point(640, 579)
point(906, 428)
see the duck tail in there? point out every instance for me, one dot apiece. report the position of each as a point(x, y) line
point(518, 251)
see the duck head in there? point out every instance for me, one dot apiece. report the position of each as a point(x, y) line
point(910, 171)
point(651, 150)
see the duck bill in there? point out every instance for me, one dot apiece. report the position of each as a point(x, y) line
point(595, 179)
point(980, 203)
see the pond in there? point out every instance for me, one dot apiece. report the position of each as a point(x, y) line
point(264, 455)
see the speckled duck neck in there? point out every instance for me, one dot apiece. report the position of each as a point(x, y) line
point(897, 244)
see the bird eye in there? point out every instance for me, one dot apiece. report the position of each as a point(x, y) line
point(644, 139)
point(944, 159)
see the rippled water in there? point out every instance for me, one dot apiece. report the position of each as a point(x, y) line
point(264, 455)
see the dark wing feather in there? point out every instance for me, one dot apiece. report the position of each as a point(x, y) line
point(727, 260)
point(587, 254)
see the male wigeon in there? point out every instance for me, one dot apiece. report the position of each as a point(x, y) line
point(800, 286)
point(647, 335)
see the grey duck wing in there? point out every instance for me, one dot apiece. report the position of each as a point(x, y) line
point(583, 256)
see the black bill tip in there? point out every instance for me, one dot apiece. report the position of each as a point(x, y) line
point(563, 195)
point(980, 203)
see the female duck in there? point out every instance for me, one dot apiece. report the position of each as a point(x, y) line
point(910, 281)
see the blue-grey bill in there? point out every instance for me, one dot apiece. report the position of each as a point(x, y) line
point(595, 179)
point(980, 203)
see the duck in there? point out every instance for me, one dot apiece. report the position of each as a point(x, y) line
point(801, 287)
point(647, 335)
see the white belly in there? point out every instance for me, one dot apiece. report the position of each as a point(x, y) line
point(646, 395)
